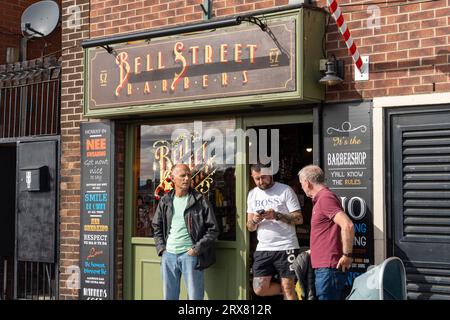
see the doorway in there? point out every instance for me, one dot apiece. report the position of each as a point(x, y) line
point(7, 219)
point(295, 151)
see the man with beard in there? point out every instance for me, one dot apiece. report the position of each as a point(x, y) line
point(273, 211)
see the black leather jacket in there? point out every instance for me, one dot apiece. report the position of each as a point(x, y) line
point(200, 221)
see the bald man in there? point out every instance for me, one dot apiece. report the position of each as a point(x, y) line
point(185, 230)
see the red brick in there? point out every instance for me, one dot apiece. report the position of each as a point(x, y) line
point(363, 85)
point(432, 23)
point(185, 10)
point(349, 95)
point(263, 4)
point(433, 5)
point(175, 20)
point(385, 47)
point(194, 17)
point(177, 4)
point(409, 26)
point(424, 33)
point(385, 83)
point(435, 78)
point(395, 37)
point(422, 15)
point(390, 29)
point(333, 36)
point(396, 74)
point(377, 57)
point(444, 31)
point(408, 44)
point(410, 8)
point(367, 94)
point(166, 14)
point(423, 88)
point(160, 7)
point(440, 87)
point(445, 12)
point(397, 19)
point(159, 22)
point(374, 40)
point(409, 81)
point(400, 91)
point(431, 42)
point(422, 70)
point(225, 12)
point(420, 52)
point(396, 55)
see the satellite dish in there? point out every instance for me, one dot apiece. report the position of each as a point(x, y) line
point(40, 19)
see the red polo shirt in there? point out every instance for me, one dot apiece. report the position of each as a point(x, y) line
point(325, 242)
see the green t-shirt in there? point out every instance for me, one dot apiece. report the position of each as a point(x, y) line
point(179, 240)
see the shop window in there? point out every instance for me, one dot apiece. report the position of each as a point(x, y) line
point(205, 147)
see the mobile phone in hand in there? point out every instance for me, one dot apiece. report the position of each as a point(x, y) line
point(260, 211)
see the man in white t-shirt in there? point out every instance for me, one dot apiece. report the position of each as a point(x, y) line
point(273, 211)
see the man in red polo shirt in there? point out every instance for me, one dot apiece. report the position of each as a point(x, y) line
point(332, 235)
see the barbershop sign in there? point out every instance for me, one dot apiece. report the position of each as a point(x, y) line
point(347, 145)
point(221, 63)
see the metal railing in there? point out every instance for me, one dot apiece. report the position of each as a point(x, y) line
point(36, 281)
point(6, 277)
point(30, 98)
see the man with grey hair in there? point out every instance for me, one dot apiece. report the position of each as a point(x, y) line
point(332, 235)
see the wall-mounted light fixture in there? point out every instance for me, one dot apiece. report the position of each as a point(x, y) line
point(309, 149)
point(334, 71)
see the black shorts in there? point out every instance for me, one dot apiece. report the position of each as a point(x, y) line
point(269, 263)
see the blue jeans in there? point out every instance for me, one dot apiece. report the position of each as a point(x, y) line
point(330, 283)
point(175, 265)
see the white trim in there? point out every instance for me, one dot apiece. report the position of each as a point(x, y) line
point(412, 100)
point(378, 127)
point(379, 213)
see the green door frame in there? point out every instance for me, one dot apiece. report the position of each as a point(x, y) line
point(242, 182)
point(130, 140)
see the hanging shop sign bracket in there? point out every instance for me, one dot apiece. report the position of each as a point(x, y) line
point(219, 64)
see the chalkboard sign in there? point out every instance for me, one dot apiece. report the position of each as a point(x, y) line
point(347, 150)
point(97, 211)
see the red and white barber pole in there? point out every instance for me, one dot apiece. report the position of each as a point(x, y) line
point(343, 28)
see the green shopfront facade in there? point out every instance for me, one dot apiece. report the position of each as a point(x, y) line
point(185, 96)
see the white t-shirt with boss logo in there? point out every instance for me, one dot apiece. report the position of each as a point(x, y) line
point(274, 235)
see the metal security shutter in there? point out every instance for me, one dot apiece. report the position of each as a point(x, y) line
point(420, 198)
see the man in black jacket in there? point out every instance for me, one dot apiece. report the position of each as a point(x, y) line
point(185, 230)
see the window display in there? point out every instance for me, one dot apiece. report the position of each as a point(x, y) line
point(209, 152)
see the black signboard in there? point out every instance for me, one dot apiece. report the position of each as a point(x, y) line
point(97, 211)
point(347, 150)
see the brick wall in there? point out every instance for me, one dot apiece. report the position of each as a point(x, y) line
point(121, 16)
point(10, 31)
point(409, 51)
point(71, 115)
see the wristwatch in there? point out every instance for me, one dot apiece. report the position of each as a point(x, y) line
point(278, 215)
point(348, 255)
